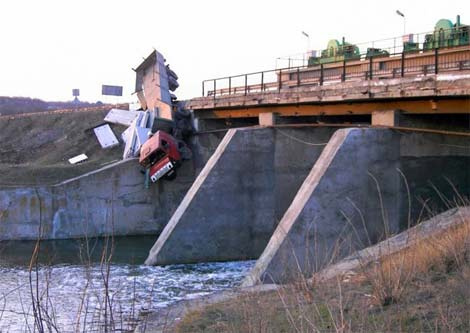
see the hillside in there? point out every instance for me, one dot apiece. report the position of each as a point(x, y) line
point(18, 105)
point(35, 147)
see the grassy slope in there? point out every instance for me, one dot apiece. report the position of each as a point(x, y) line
point(437, 301)
point(423, 288)
point(35, 148)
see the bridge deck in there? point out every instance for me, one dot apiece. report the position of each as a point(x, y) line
point(310, 91)
point(434, 94)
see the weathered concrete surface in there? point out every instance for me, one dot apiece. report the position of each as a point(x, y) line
point(111, 200)
point(355, 194)
point(237, 200)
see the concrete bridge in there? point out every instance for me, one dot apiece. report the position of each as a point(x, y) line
point(333, 168)
point(297, 197)
point(365, 159)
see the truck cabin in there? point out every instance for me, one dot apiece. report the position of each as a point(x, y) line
point(159, 146)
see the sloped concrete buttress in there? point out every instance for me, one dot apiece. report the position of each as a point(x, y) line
point(164, 236)
point(367, 184)
point(238, 198)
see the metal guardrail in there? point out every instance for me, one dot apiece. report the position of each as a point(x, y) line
point(392, 66)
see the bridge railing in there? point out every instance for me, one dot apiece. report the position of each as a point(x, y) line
point(394, 65)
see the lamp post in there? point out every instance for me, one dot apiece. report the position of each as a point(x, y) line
point(308, 45)
point(404, 21)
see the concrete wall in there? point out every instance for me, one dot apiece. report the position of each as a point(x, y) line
point(355, 195)
point(236, 202)
point(110, 200)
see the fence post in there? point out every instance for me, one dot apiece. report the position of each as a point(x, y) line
point(343, 77)
point(403, 63)
point(203, 88)
point(436, 60)
point(370, 68)
point(321, 74)
point(262, 81)
point(246, 82)
point(279, 80)
point(229, 85)
point(298, 77)
point(215, 87)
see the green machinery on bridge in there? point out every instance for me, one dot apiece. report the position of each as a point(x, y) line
point(335, 52)
point(446, 34)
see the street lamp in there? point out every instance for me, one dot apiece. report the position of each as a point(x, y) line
point(308, 45)
point(308, 39)
point(404, 20)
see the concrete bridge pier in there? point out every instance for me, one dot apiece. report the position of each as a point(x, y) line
point(234, 205)
point(333, 191)
point(367, 184)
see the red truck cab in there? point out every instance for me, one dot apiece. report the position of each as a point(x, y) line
point(160, 154)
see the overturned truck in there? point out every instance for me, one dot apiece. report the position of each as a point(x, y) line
point(165, 146)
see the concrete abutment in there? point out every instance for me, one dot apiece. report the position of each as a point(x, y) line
point(111, 200)
point(330, 199)
point(367, 185)
point(234, 205)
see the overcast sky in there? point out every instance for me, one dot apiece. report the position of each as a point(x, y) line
point(49, 47)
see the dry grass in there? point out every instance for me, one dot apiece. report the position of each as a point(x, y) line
point(391, 275)
point(40, 154)
point(421, 288)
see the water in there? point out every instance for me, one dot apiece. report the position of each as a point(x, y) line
point(71, 283)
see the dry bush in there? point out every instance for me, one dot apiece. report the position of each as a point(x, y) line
point(391, 275)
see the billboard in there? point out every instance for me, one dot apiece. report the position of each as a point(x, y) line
point(76, 92)
point(111, 90)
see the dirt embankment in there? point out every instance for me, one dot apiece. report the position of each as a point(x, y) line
point(35, 148)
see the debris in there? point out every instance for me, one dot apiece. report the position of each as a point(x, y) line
point(138, 133)
point(160, 153)
point(125, 135)
point(130, 148)
point(105, 136)
point(78, 159)
point(135, 136)
point(142, 134)
point(122, 117)
point(154, 81)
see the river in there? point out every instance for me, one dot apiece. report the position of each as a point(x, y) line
point(79, 291)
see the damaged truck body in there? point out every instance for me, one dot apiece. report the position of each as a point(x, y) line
point(160, 155)
point(160, 152)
